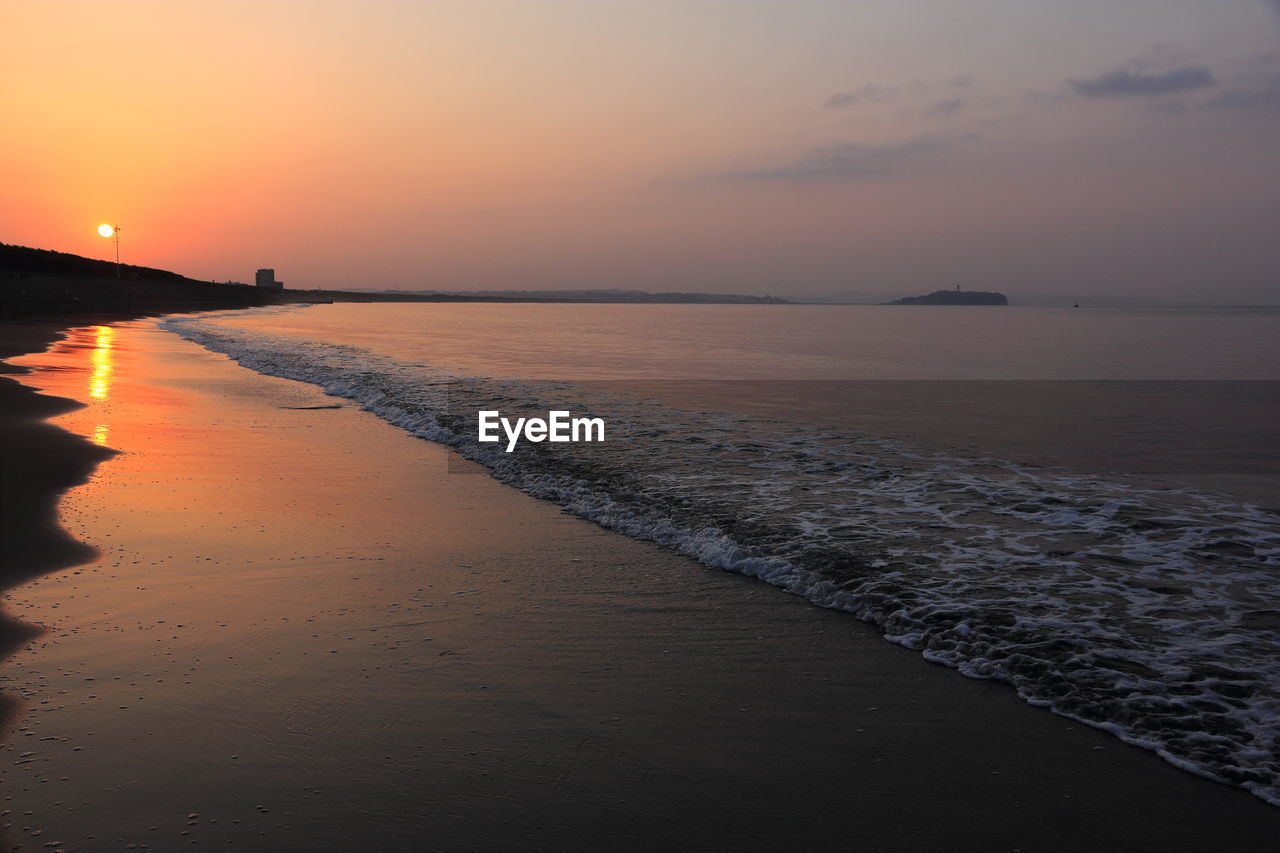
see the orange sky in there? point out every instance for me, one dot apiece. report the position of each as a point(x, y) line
point(666, 145)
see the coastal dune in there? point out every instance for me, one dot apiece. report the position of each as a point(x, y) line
point(308, 630)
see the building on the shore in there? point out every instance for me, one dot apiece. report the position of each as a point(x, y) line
point(267, 278)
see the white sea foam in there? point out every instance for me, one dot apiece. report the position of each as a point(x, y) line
point(1151, 614)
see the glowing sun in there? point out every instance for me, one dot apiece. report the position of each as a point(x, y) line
point(106, 230)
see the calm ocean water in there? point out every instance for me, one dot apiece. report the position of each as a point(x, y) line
point(1081, 503)
point(625, 342)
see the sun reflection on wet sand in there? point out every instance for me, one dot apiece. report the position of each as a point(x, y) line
point(101, 356)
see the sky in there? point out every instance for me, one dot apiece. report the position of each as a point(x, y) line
point(1091, 149)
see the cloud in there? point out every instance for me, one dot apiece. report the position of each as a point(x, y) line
point(1136, 83)
point(1260, 98)
point(881, 94)
point(840, 99)
point(876, 94)
point(944, 108)
point(933, 84)
point(847, 160)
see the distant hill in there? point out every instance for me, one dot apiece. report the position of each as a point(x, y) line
point(18, 261)
point(955, 297)
point(43, 283)
point(618, 296)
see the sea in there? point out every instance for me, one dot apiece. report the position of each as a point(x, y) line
point(1081, 503)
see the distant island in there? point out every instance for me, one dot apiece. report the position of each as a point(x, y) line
point(955, 297)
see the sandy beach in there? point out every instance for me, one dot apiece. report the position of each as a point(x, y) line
point(649, 426)
point(307, 630)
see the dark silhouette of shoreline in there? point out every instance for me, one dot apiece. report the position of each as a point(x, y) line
point(44, 283)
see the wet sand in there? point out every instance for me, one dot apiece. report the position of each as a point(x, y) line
point(39, 463)
point(310, 631)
